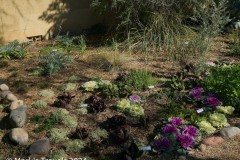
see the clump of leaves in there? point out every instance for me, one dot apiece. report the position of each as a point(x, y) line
point(96, 104)
point(21, 86)
point(59, 114)
point(37, 119)
point(76, 146)
point(46, 93)
point(81, 111)
point(40, 104)
point(52, 63)
point(74, 79)
point(118, 129)
point(69, 87)
point(47, 124)
point(79, 133)
point(57, 135)
point(64, 100)
point(99, 134)
point(58, 154)
point(70, 121)
point(14, 49)
point(132, 152)
point(115, 90)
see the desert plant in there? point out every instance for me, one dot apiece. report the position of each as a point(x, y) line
point(58, 134)
point(13, 49)
point(46, 93)
point(40, 104)
point(76, 146)
point(52, 63)
point(224, 81)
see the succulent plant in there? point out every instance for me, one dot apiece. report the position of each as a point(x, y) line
point(96, 104)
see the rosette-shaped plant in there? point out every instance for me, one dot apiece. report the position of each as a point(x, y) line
point(90, 86)
point(226, 109)
point(125, 106)
point(135, 99)
point(176, 121)
point(186, 141)
point(170, 129)
point(218, 120)
point(163, 144)
point(213, 102)
point(196, 93)
point(206, 127)
point(190, 130)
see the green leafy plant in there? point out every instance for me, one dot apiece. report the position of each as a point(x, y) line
point(74, 79)
point(58, 154)
point(47, 123)
point(46, 93)
point(68, 87)
point(52, 63)
point(224, 81)
point(140, 79)
point(235, 45)
point(40, 104)
point(70, 121)
point(76, 146)
point(58, 134)
point(37, 119)
point(13, 50)
point(3, 63)
point(98, 134)
point(21, 86)
point(81, 111)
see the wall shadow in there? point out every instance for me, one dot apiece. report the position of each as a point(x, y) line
point(69, 16)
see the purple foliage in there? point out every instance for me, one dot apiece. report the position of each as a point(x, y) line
point(213, 102)
point(186, 141)
point(191, 130)
point(176, 121)
point(163, 144)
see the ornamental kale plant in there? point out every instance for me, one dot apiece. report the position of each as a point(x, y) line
point(176, 137)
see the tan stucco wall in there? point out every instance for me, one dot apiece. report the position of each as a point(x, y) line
point(26, 18)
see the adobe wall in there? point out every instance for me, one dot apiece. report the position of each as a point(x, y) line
point(20, 19)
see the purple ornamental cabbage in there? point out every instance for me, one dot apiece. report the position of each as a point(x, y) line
point(213, 102)
point(176, 121)
point(191, 130)
point(135, 99)
point(196, 93)
point(186, 141)
point(170, 129)
point(163, 144)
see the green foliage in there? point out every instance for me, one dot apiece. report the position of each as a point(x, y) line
point(47, 124)
point(70, 121)
point(21, 86)
point(81, 111)
point(3, 63)
point(74, 79)
point(140, 79)
point(37, 119)
point(60, 114)
point(46, 93)
point(225, 81)
point(99, 134)
point(58, 154)
point(235, 45)
point(76, 146)
point(52, 63)
point(58, 134)
point(40, 104)
point(13, 50)
point(115, 90)
point(67, 43)
point(68, 87)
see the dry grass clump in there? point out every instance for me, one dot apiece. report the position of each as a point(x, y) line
point(109, 61)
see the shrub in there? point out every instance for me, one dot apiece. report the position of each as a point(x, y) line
point(46, 93)
point(224, 81)
point(58, 134)
point(40, 104)
point(75, 146)
point(13, 49)
point(52, 63)
point(140, 79)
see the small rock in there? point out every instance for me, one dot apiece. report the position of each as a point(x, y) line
point(4, 87)
point(19, 135)
point(4, 93)
point(182, 158)
point(202, 147)
point(229, 132)
point(40, 147)
point(16, 104)
point(212, 141)
point(18, 116)
point(11, 97)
